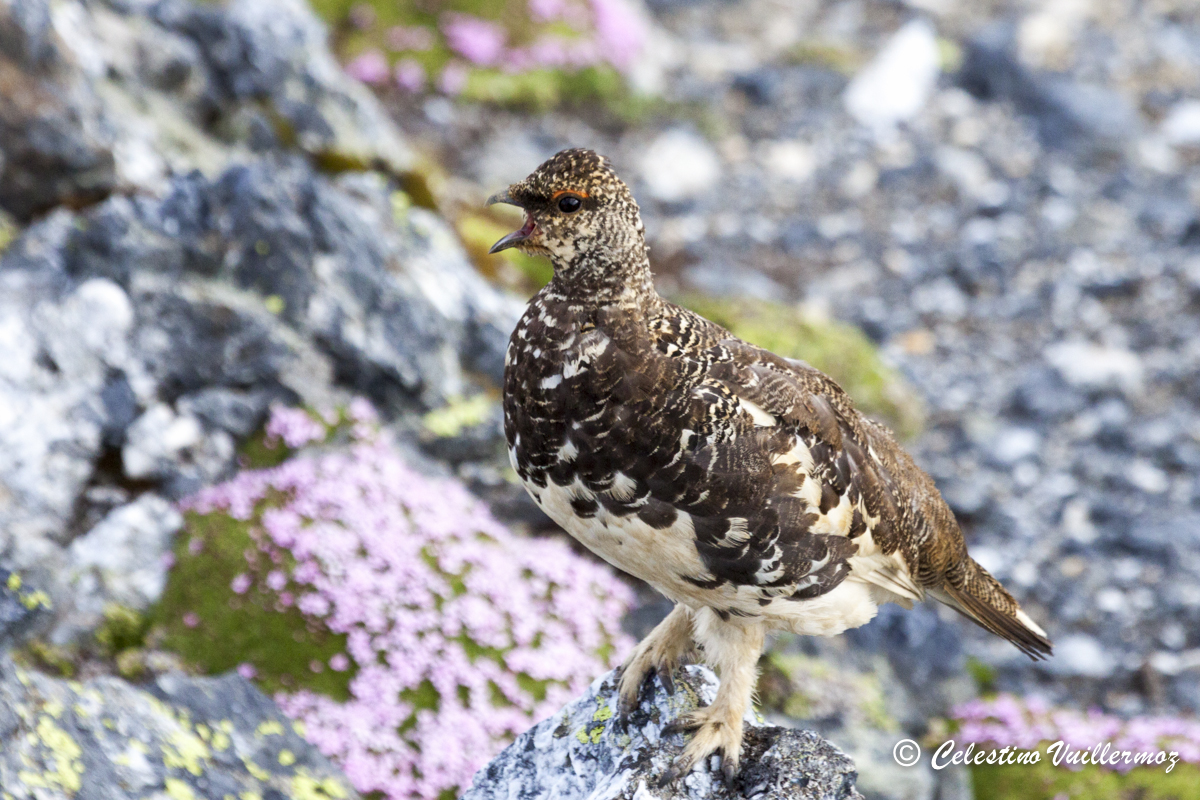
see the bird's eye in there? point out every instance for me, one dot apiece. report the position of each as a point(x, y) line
point(569, 204)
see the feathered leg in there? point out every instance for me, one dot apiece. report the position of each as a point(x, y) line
point(733, 648)
point(659, 652)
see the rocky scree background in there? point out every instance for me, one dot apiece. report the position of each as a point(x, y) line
point(203, 220)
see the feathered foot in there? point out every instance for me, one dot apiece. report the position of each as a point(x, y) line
point(660, 652)
point(733, 648)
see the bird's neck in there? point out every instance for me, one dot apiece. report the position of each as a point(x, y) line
point(621, 278)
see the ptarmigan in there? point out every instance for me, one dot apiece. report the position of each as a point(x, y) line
point(742, 485)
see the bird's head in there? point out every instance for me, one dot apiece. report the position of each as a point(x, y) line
point(580, 214)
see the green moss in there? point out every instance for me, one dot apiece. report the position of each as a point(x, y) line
point(9, 230)
point(983, 674)
point(457, 415)
point(123, 628)
point(1044, 780)
point(826, 55)
point(49, 658)
point(233, 629)
point(839, 350)
point(259, 453)
point(803, 687)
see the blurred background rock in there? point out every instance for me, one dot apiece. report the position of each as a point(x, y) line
point(983, 219)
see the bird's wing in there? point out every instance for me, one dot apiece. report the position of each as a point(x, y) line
point(826, 468)
point(767, 458)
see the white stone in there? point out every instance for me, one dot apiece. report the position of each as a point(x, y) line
point(1014, 444)
point(897, 83)
point(1182, 123)
point(155, 439)
point(1148, 478)
point(1096, 366)
point(787, 159)
point(1080, 654)
point(679, 165)
point(126, 550)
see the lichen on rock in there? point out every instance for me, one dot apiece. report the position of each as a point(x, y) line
point(586, 751)
point(182, 737)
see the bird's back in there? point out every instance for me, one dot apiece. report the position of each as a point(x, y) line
point(727, 476)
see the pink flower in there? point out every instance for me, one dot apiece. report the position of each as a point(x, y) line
point(410, 75)
point(247, 671)
point(276, 580)
point(546, 10)
point(407, 568)
point(477, 40)
point(416, 38)
point(371, 67)
point(195, 545)
point(191, 619)
point(620, 32)
point(453, 79)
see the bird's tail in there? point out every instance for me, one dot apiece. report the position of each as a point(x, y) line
point(980, 597)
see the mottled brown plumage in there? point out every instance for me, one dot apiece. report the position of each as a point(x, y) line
point(742, 485)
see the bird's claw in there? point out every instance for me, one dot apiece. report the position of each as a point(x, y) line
point(680, 725)
point(627, 702)
point(729, 771)
point(726, 768)
point(666, 677)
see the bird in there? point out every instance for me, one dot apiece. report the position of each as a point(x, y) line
point(743, 486)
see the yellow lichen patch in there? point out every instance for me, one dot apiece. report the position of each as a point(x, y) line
point(65, 752)
point(269, 728)
point(54, 709)
point(603, 713)
point(458, 414)
point(14, 582)
point(597, 732)
point(287, 758)
point(256, 772)
point(178, 790)
point(306, 787)
point(185, 750)
point(582, 736)
point(299, 728)
point(34, 599)
point(250, 796)
point(220, 741)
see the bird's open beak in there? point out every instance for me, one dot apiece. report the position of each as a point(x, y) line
point(516, 237)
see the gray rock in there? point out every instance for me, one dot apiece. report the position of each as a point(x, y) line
point(23, 609)
point(61, 344)
point(54, 134)
point(582, 752)
point(181, 737)
point(145, 332)
point(678, 165)
point(121, 561)
point(897, 83)
point(1080, 655)
point(1068, 112)
point(238, 412)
